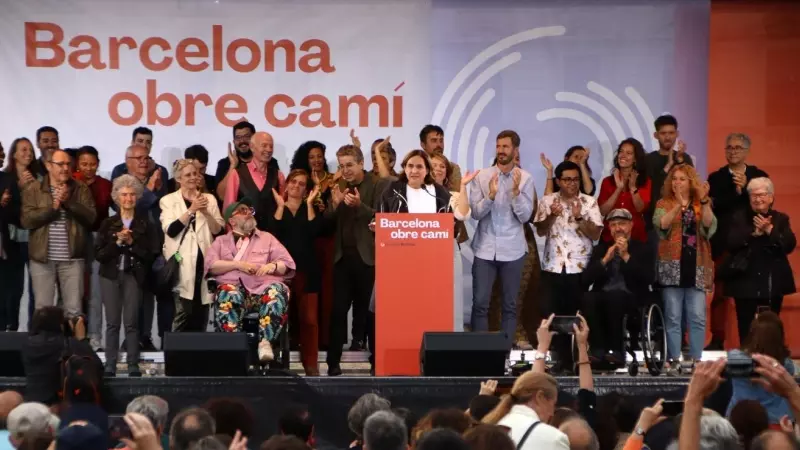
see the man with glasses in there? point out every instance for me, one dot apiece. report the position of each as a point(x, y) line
point(155, 176)
point(251, 268)
point(352, 206)
point(502, 201)
point(570, 221)
point(58, 211)
point(728, 192)
point(239, 152)
point(256, 180)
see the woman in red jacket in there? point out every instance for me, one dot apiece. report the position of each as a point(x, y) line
point(628, 187)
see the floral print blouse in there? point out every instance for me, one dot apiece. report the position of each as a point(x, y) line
point(565, 247)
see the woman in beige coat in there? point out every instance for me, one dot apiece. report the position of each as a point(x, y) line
point(190, 219)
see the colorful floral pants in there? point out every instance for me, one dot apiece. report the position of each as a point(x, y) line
point(232, 302)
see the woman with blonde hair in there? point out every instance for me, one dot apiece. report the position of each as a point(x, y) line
point(529, 406)
point(190, 219)
point(685, 223)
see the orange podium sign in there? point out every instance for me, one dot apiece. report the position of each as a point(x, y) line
point(413, 286)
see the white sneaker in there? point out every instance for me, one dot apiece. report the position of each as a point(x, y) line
point(265, 352)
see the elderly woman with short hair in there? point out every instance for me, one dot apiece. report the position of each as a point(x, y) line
point(126, 246)
point(757, 271)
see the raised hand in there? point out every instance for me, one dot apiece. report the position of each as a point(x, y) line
point(516, 177)
point(576, 209)
point(556, 208)
point(312, 196)
point(278, 198)
point(681, 147)
point(548, 166)
point(199, 203)
point(651, 416)
point(233, 157)
point(609, 254)
point(337, 195)
point(352, 198)
point(493, 186)
point(703, 191)
point(354, 139)
point(739, 180)
point(544, 335)
point(488, 387)
point(468, 177)
point(706, 377)
point(585, 159)
point(26, 178)
point(679, 198)
point(774, 377)
point(620, 183)
point(582, 331)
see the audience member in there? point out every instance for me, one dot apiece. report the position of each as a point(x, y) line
point(627, 188)
point(481, 405)
point(774, 440)
point(580, 434)
point(189, 426)
point(231, 415)
point(431, 139)
point(441, 439)
point(451, 418)
point(199, 157)
point(280, 442)
point(750, 419)
point(239, 152)
point(578, 155)
point(296, 421)
point(364, 407)
point(35, 441)
point(488, 437)
point(81, 436)
point(208, 443)
point(383, 430)
point(409, 418)
point(153, 176)
point(29, 419)
point(47, 140)
point(156, 410)
point(8, 401)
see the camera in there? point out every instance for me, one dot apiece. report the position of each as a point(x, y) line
point(740, 366)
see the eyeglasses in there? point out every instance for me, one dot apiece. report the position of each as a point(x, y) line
point(244, 211)
point(759, 194)
point(570, 180)
point(737, 149)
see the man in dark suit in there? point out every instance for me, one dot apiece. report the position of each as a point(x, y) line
point(11, 268)
point(352, 206)
point(620, 273)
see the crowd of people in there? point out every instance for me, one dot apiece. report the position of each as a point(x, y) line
point(756, 410)
point(251, 239)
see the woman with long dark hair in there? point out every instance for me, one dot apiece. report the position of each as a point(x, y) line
point(580, 156)
point(310, 157)
point(628, 187)
point(23, 168)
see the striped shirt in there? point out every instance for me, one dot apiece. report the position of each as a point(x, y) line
point(58, 239)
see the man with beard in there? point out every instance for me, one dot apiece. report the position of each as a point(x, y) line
point(47, 141)
point(256, 180)
point(58, 211)
point(251, 268)
point(352, 206)
point(620, 273)
point(238, 153)
point(431, 138)
point(570, 220)
point(502, 201)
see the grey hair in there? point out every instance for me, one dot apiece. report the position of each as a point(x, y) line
point(179, 165)
point(364, 407)
point(738, 136)
point(126, 181)
point(384, 430)
point(208, 443)
point(153, 407)
point(761, 182)
point(593, 443)
point(129, 150)
point(716, 433)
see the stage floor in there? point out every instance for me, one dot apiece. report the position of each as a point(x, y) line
point(329, 398)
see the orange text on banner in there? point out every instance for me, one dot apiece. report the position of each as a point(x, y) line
point(413, 286)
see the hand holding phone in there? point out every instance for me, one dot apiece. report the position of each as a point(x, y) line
point(118, 429)
point(564, 324)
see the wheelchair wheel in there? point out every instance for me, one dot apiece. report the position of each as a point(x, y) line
point(633, 369)
point(654, 339)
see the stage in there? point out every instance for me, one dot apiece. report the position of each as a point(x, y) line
point(329, 398)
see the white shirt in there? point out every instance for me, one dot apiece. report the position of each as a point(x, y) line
point(543, 437)
point(565, 247)
point(420, 200)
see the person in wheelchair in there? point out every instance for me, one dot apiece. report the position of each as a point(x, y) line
point(620, 273)
point(251, 269)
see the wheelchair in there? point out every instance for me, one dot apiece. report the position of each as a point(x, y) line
point(280, 348)
point(650, 339)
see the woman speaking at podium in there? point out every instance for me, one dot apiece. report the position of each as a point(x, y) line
point(416, 191)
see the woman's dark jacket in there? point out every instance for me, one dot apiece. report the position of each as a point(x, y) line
point(142, 252)
point(767, 273)
point(394, 200)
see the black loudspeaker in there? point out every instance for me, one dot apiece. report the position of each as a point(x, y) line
point(463, 354)
point(11, 347)
point(205, 354)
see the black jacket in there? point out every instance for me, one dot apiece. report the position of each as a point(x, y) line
point(639, 271)
point(9, 214)
point(394, 200)
point(726, 202)
point(768, 273)
point(42, 356)
point(142, 252)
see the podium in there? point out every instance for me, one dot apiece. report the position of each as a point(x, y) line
point(413, 286)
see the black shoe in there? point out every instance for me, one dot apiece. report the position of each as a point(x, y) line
point(714, 346)
point(357, 346)
point(146, 345)
point(134, 373)
point(334, 371)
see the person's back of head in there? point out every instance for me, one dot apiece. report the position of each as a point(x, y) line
point(775, 440)
point(208, 443)
point(29, 419)
point(489, 437)
point(750, 419)
point(767, 336)
point(47, 319)
point(281, 442)
point(408, 417)
point(481, 405)
point(189, 426)
point(561, 415)
point(384, 430)
point(364, 407)
point(580, 434)
point(451, 418)
point(36, 441)
point(231, 414)
point(8, 401)
point(155, 408)
point(296, 421)
point(441, 439)
point(716, 433)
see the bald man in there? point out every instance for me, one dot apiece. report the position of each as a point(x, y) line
point(58, 211)
point(580, 435)
point(256, 180)
point(8, 401)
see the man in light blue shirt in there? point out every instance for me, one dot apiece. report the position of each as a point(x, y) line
point(502, 199)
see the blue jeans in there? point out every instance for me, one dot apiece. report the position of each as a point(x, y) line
point(483, 275)
point(689, 305)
